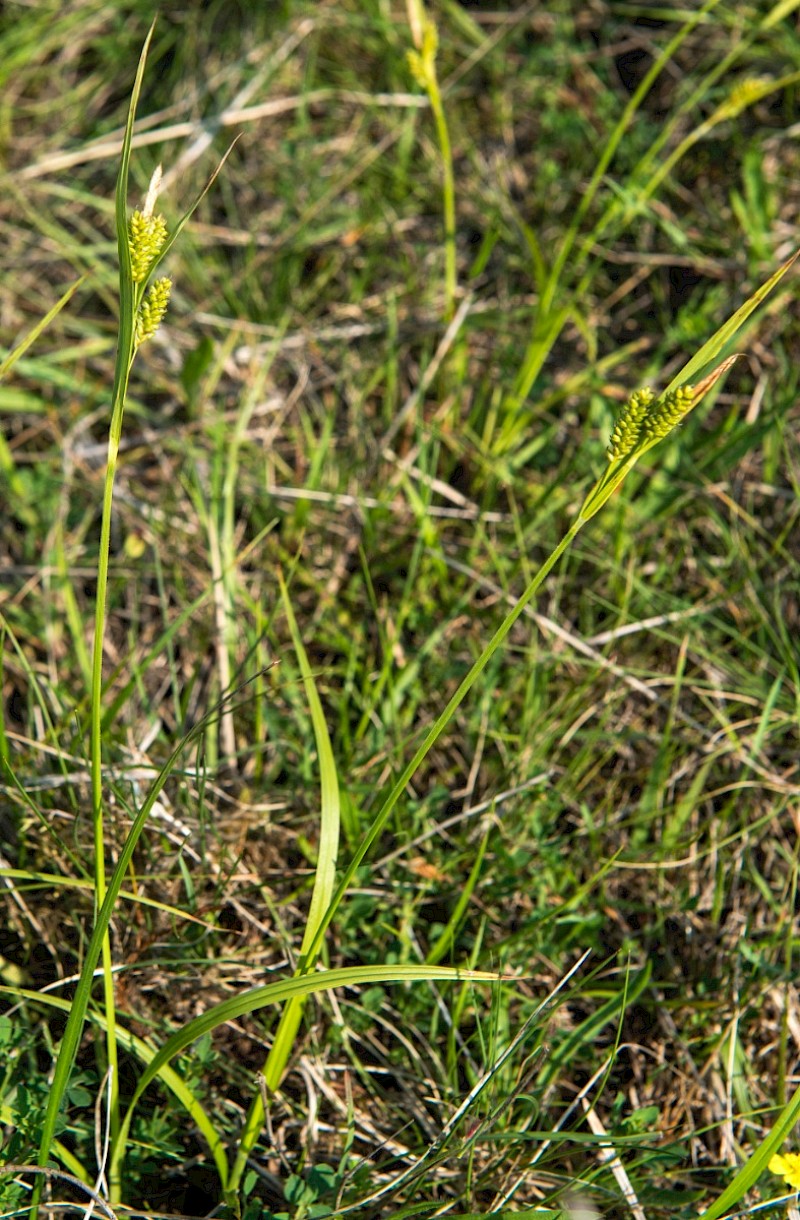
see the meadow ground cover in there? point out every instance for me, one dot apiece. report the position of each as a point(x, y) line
point(409, 325)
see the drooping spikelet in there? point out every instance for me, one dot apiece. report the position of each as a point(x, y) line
point(668, 412)
point(146, 236)
point(152, 310)
point(628, 426)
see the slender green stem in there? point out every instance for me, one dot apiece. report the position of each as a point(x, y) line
point(422, 62)
point(96, 759)
point(441, 722)
point(448, 194)
point(130, 298)
point(70, 1040)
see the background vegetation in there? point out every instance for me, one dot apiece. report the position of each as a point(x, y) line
point(623, 780)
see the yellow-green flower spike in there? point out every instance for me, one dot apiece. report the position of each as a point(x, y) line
point(668, 412)
point(742, 95)
point(642, 423)
point(426, 37)
point(152, 310)
point(146, 236)
point(629, 424)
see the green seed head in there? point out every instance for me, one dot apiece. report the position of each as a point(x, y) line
point(628, 427)
point(152, 310)
point(668, 412)
point(146, 236)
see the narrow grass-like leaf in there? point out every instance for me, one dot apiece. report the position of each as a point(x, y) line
point(328, 849)
point(80, 1002)
point(713, 346)
point(324, 881)
point(126, 285)
point(755, 1165)
point(448, 935)
point(145, 1053)
point(55, 880)
point(176, 229)
point(33, 334)
point(284, 991)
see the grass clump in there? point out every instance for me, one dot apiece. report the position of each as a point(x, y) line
point(297, 694)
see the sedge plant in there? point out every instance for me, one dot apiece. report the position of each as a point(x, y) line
point(144, 303)
point(143, 241)
point(645, 420)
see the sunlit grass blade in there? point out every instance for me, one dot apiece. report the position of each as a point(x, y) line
point(55, 880)
point(284, 992)
point(179, 225)
point(11, 359)
point(145, 1053)
point(328, 848)
point(713, 346)
point(324, 882)
point(755, 1164)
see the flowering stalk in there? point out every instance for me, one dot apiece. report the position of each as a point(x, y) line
point(140, 314)
point(422, 64)
point(132, 296)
